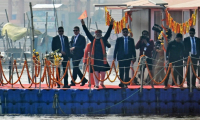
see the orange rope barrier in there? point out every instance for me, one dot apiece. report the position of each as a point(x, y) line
point(81, 78)
point(113, 62)
point(194, 72)
point(8, 81)
point(131, 78)
point(150, 75)
point(185, 74)
point(115, 76)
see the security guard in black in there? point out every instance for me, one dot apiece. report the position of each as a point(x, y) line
point(174, 54)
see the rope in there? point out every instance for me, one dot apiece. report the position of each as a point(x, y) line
point(113, 62)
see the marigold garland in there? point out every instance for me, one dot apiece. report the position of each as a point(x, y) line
point(182, 28)
point(118, 25)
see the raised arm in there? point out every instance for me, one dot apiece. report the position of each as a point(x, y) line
point(88, 34)
point(107, 35)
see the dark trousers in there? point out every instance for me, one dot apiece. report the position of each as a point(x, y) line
point(76, 70)
point(64, 63)
point(177, 71)
point(194, 61)
point(126, 64)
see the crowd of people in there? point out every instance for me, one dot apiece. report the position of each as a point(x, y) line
point(125, 52)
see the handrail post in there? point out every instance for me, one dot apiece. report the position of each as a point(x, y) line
point(142, 62)
point(40, 72)
point(190, 74)
point(89, 71)
point(12, 68)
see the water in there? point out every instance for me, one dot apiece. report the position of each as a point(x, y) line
point(98, 117)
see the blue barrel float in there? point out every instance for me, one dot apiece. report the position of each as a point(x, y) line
point(100, 101)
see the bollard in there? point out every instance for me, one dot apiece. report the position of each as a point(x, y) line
point(190, 75)
point(89, 72)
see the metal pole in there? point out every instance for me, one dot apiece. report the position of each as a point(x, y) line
point(40, 72)
point(89, 72)
point(0, 107)
point(96, 25)
point(4, 44)
point(7, 39)
point(142, 77)
point(190, 75)
point(32, 43)
point(7, 16)
point(62, 23)
point(163, 22)
point(142, 72)
point(24, 20)
point(12, 68)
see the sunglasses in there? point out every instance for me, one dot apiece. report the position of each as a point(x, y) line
point(75, 30)
point(60, 31)
point(191, 33)
point(125, 31)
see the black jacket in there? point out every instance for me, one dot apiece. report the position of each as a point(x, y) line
point(119, 48)
point(187, 45)
point(175, 51)
point(56, 44)
point(78, 52)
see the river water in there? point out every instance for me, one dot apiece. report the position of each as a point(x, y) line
point(98, 117)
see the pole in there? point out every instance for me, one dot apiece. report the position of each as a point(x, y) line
point(62, 23)
point(12, 68)
point(7, 39)
point(142, 72)
point(4, 44)
point(7, 16)
point(32, 25)
point(24, 20)
point(89, 72)
point(0, 107)
point(190, 75)
point(96, 25)
point(40, 72)
point(46, 39)
point(32, 43)
point(163, 22)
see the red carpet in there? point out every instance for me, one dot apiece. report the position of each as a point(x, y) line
point(44, 86)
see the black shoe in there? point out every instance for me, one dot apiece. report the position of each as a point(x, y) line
point(121, 85)
point(66, 86)
point(72, 84)
point(83, 83)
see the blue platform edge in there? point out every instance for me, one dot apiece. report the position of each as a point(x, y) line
point(102, 101)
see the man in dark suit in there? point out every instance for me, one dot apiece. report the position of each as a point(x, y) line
point(77, 43)
point(192, 44)
point(124, 52)
point(174, 54)
point(61, 42)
